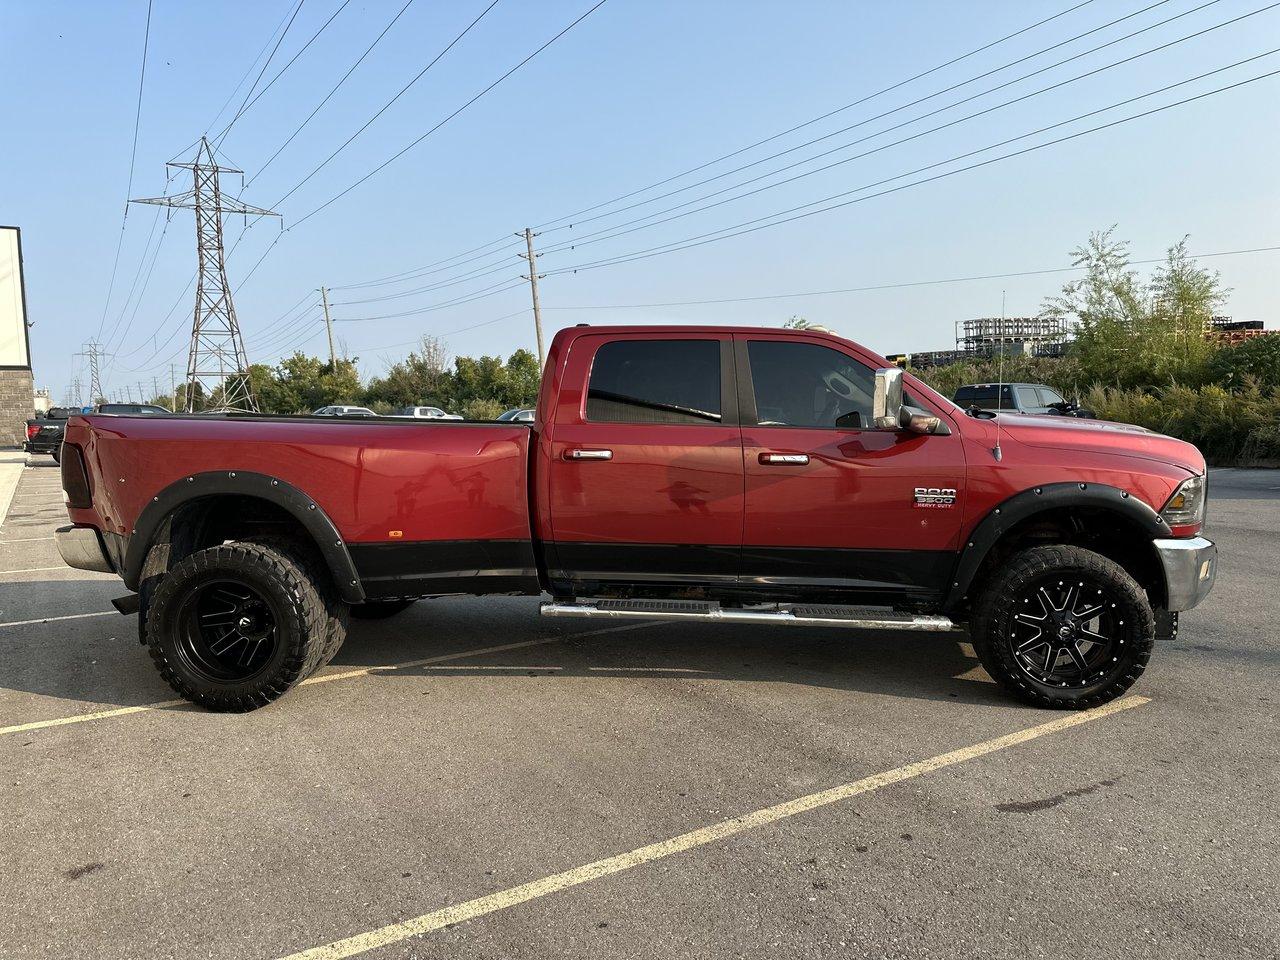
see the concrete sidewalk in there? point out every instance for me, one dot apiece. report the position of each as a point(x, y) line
point(12, 463)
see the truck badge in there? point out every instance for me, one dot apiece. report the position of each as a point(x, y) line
point(935, 496)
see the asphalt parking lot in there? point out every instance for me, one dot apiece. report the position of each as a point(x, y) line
point(470, 781)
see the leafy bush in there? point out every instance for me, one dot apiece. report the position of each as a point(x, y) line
point(1240, 427)
point(482, 408)
point(1258, 358)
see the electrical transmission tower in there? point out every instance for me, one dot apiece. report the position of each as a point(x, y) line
point(216, 361)
point(93, 350)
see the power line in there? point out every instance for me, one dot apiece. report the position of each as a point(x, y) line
point(386, 106)
point(618, 230)
point(328, 95)
point(860, 101)
point(244, 104)
point(888, 286)
point(248, 70)
point(279, 73)
point(413, 274)
point(752, 226)
point(1008, 83)
point(460, 109)
point(133, 157)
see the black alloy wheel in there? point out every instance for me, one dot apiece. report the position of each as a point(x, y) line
point(1065, 631)
point(228, 631)
point(1061, 626)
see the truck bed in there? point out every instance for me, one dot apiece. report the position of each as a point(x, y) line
point(424, 507)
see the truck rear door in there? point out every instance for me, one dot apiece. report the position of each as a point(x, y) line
point(645, 463)
point(833, 507)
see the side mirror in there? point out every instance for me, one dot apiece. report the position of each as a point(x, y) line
point(886, 405)
point(888, 411)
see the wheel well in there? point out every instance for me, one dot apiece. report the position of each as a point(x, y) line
point(208, 521)
point(1107, 532)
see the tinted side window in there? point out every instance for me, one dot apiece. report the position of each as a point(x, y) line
point(986, 397)
point(655, 381)
point(1028, 397)
point(1049, 397)
point(807, 385)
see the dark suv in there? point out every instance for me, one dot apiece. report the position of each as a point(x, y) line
point(1019, 398)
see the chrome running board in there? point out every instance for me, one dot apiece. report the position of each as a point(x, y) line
point(786, 614)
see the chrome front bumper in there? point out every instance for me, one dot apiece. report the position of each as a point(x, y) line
point(82, 548)
point(1190, 567)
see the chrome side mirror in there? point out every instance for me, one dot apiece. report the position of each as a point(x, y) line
point(886, 405)
point(888, 411)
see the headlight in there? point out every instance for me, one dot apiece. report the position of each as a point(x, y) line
point(1186, 507)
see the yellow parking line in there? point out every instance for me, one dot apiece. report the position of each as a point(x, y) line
point(398, 932)
point(323, 678)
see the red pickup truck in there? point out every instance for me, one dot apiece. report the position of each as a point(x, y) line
point(716, 474)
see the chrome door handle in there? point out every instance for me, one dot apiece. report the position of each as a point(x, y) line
point(785, 459)
point(588, 454)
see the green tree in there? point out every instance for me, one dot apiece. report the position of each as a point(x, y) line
point(1135, 334)
point(421, 379)
point(300, 384)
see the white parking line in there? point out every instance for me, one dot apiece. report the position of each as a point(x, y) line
point(5, 573)
point(26, 540)
point(399, 932)
point(69, 616)
point(323, 678)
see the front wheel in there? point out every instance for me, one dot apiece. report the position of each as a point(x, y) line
point(1063, 627)
point(235, 626)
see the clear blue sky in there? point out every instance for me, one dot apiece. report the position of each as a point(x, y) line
point(639, 91)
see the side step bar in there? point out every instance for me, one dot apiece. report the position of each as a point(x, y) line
point(789, 614)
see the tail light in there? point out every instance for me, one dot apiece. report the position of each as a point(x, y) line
point(32, 430)
point(1184, 513)
point(75, 478)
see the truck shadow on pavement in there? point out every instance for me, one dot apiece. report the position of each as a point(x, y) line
point(98, 660)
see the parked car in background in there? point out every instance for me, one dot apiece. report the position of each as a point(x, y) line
point(518, 415)
point(133, 409)
point(424, 413)
point(339, 410)
point(44, 433)
point(1019, 398)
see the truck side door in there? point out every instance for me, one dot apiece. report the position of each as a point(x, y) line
point(833, 507)
point(645, 463)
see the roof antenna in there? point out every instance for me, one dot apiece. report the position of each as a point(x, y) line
point(996, 451)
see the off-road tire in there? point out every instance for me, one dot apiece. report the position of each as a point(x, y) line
point(338, 609)
point(993, 626)
point(380, 609)
point(300, 616)
point(56, 453)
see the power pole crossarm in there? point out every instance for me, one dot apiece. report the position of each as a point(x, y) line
point(533, 286)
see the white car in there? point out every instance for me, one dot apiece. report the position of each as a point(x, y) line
point(424, 413)
point(338, 410)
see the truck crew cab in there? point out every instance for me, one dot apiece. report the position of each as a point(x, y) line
point(737, 475)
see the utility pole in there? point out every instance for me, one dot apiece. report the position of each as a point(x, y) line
point(533, 286)
point(216, 359)
point(324, 298)
point(173, 389)
point(93, 350)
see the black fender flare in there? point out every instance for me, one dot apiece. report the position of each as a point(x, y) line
point(1049, 496)
point(199, 486)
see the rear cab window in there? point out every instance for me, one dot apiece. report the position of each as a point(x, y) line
point(656, 381)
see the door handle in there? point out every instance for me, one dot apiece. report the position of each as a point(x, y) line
point(785, 459)
point(588, 454)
